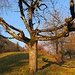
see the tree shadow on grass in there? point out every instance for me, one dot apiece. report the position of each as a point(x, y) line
point(49, 63)
point(9, 61)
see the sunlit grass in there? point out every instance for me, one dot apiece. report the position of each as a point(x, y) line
point(17, 63)
point(14, 63)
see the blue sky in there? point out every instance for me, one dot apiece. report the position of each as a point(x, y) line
point(13, 18)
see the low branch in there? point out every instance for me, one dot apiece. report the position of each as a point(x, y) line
point(45, 38)
point(20, 36)
point(11, 26)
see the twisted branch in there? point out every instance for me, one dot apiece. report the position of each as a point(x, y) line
point(20, 36)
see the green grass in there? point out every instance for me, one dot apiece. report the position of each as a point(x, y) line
point(16, 63)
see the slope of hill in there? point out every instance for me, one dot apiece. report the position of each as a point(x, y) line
point(16, 63)
point(8, 46)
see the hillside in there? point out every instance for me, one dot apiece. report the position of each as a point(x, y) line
point(16, 63)
point(8, 46)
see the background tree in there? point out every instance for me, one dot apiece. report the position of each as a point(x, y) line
point(17, 46)
point(54, 20)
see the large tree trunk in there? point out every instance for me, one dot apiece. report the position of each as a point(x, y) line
point(33, 57)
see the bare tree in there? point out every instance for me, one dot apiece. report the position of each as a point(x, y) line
point(27, 11)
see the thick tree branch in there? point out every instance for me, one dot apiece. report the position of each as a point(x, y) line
point(23, 16)
point(20, 36)
point(26, 24)
point(21, 7)
point(72, 9)
point(45, 38)
point(70, 24)
point(67, 27)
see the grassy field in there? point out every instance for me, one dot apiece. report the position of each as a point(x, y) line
point(16, 63)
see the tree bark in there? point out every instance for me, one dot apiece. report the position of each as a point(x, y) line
point(33, 52)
